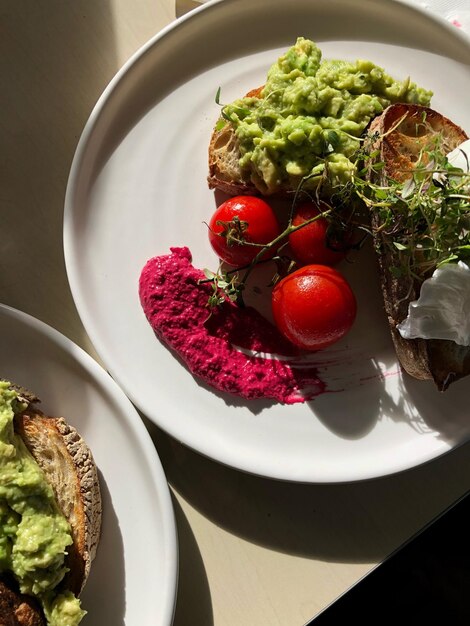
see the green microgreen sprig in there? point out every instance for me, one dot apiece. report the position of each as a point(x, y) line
point(225, 117)
point(424, 219)
point(224, 286)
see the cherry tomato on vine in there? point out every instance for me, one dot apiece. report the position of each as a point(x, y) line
point(246, 219)
point(314, 307)
point(313, 243)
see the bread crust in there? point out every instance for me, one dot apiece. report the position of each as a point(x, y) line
point(17, 609)
point(69, 467)
point(225, 173)
point(440, 360)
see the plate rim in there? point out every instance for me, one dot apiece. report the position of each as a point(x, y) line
point(135, 423)
point(238, 464)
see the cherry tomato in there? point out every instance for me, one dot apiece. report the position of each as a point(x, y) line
point(311, 244)
point(256, 221)
point(314, 306)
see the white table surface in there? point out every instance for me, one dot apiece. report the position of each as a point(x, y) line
point(253, 551)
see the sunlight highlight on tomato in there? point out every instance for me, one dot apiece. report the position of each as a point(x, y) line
point(314, 307)
point(242, 218)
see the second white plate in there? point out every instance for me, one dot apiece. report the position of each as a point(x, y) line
point(134, 576)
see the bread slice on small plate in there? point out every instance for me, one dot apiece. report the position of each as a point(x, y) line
point(68, 465)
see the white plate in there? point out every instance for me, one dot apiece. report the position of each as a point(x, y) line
point(137, 187)
point(133, 578)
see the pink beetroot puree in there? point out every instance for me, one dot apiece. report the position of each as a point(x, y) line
point(175, 304)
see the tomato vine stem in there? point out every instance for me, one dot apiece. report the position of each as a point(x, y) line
point(272, 244)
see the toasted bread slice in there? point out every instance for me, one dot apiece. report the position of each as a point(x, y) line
point(225, 172)
point(69, 467)
point(402, 139)
point(17, 609)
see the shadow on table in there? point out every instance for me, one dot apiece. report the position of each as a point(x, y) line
point(355, 522)
point(184, 6)
point(193, 602)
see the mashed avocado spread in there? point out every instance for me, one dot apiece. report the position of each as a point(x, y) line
point(34, 534)
point(310, 115)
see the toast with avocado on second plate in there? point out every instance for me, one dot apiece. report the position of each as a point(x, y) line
point(50, 514)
